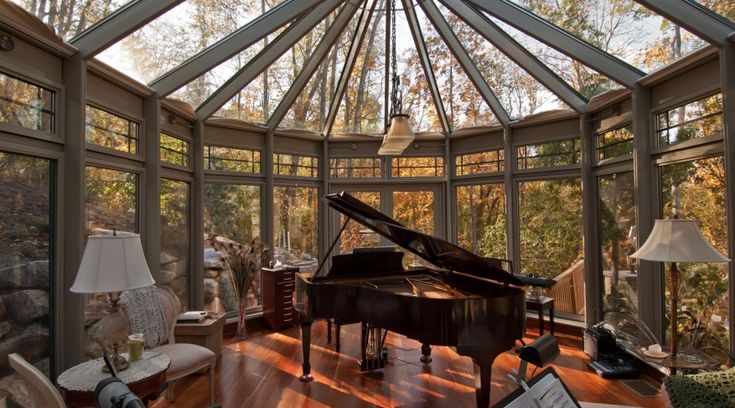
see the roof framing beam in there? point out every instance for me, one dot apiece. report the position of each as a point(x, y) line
point(418, 39)
point(464, 59)
point(518, 54)
point(265, 58)
point(311, 65)
point(694, 17)
point(235, 42)
point(344, 77)
point(119, 24)
point(561, 40)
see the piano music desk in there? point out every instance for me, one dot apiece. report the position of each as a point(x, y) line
point(541, 304)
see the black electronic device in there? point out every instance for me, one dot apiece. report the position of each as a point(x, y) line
point(611, 360)
point(536, 281)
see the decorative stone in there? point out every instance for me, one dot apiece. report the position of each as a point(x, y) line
point(210, 287)
point(26, 305)
point(165, 278)
point(213, 259)
point(32, 343)
point(4, 328)
point(31, 275)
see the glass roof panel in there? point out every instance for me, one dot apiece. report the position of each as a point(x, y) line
point(585, 80)
point(309, 111)
point(361, 108)
point(69, 19)
point(249, 104)
point(463, 104)
point(179, 34)
point(520, 93)
point(725, 8)
point(622, 28)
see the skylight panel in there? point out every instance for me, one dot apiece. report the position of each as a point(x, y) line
point(75, 17)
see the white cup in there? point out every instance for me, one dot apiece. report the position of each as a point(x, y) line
point(654, 348)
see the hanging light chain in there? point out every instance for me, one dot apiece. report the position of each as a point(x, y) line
point(396, 96)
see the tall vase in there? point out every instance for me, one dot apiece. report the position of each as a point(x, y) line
point(242, 331)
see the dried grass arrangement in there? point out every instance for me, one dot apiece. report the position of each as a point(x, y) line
point(244, 262)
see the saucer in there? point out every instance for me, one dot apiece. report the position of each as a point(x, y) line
point(655, 354)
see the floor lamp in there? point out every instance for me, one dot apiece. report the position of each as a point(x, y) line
point(675, 240)
point(112, 264)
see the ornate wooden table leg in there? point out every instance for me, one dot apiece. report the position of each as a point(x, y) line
point(306, 350)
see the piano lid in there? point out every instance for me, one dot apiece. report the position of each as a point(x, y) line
point(434, 250)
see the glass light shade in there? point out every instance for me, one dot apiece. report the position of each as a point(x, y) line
point(398, 137)
point(678, 241)
point(112, 263)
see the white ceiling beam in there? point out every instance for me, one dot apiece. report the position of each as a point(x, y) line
point(235, 42)
point(561, 40)
point(515, 51)
point(344, 77)
point(418, 39)
point(119, 24)
point(311, 65)
point(267, 56)
point(464, 59)
point(694, 17)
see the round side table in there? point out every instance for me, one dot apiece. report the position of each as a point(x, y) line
point(144, 377)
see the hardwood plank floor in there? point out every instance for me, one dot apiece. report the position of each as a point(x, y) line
point(263, 371)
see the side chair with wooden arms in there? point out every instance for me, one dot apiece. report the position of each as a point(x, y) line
point(41, 390)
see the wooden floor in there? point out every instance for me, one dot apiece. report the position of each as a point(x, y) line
point(263, 371)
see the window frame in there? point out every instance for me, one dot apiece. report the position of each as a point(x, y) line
point(189, 154)
point(500, 162)
point(260, 163)
point(57, 134)
point(110, 151)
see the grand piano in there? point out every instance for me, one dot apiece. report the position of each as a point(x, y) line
point(467, 301)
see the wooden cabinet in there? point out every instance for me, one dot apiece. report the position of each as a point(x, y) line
point(278, 289)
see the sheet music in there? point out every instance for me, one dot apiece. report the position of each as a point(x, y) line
point(548, 392)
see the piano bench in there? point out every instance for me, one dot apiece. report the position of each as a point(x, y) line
point(541, 305)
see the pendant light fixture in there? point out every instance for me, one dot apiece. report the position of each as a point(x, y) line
point(399, 135)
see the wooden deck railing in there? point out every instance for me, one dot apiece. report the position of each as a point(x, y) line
point(568, 293)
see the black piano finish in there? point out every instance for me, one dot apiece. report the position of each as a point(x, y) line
point(478, 316)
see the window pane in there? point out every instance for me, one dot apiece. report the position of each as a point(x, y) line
point(111, 203)
point(231, 159)
point(552, 154)
point(26, 265)
point(491, 161)
point(617, 235)
point(111, 131)
point(415, 210)
point(26, 105)
point(296, 226)
point(481, 219)
point(356, 167)
point(615, 143)
point(294, 165)
point(432, 166)
point(551, 238)
point(232, 213)
point(696, 119)
point(175, 238)
point(703, 296)
point(355, 234)
point(174, 150)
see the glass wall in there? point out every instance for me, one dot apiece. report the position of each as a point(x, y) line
point(697, 189)
point(231, 214)
point(617, 238)
point(26, 105)
point(481, 219)
point(175, 238)
point(416, 209)
point(26, 278)
point(355, 234)
point(296, 226)
point(550, 213)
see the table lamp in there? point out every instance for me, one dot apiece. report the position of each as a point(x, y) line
point(112, 264)
point(673, 241)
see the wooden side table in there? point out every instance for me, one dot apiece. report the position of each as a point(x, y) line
point(144, 377)
point(685, 359)
point(207, 333)
point(542, 304)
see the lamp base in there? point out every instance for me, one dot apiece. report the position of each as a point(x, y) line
point(120, 362)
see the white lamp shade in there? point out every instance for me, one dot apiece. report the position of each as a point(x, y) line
point(398, 137)
point(112, 263)
point(678, 241)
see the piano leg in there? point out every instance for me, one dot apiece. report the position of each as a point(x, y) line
point(329, 330)
point(425, 353)
point(337, 331)
point(482, 359)
point(483, 372)
point(306, 350)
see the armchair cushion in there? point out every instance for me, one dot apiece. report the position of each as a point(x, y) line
point(186, 358)
point(706, 390)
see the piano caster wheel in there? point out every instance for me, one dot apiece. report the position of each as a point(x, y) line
point(384, 354)
point(425, 359)
point(306, 378)
point(425, 353)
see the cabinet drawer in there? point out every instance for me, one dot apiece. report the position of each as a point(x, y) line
point(284, 276)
